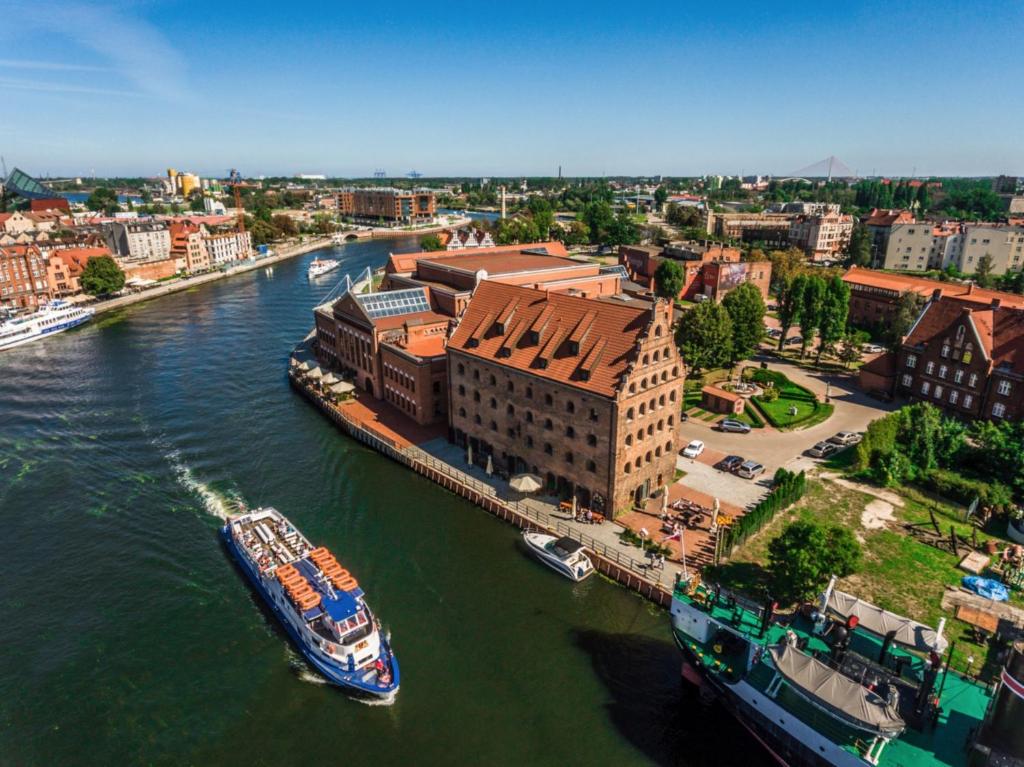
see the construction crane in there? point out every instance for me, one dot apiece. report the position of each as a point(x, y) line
point(235, 181)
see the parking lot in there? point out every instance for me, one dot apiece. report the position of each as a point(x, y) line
point(701, 475)
point(854, 410)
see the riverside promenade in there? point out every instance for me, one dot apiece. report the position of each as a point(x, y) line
point(431, 456)
point(174, 286)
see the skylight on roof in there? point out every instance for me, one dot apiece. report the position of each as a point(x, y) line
point(394, 303)
point(618, 269)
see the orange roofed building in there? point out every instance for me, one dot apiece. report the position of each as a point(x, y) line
point(65, 266)
point(582, 392)
point(874, 295)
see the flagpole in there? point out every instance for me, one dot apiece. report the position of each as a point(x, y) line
point(682, 545)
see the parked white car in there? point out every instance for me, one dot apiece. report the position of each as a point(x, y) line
point(872, 349)
point(749, 470)
point(694, 449)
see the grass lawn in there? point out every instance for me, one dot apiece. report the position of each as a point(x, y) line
point(897, 572)
point(777, 412)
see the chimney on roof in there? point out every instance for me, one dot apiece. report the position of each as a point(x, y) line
point(936, 294)
point(966, 311)
point(970, 288)
point(997, 302)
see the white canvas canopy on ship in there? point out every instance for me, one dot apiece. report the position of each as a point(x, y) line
point(838, 695)
point(315, 374)
point(908, 633)
point(344, 387)
point(329, 380)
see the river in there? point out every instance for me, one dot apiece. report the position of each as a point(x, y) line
point(130, 638)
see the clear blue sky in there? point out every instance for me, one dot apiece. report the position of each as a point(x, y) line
point(484, 88)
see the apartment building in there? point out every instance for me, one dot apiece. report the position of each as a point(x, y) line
point(920, 246)
point(64, 269)
point(1004, 243)
point(771, 229)
point(384, 204)
point(583, 392)
point(821, 237)
point(879, 224)
point(227, 247)
point(138, 240)
point(23, 282)
point(188, 247)
point(963, 356)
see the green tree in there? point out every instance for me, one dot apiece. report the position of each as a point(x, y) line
point(430, 242)
point(623, 231)
point(683, 216)
point(285, 225)
point(262, 231)
point(516, 229)
point(746, 311)
point(908, 308)
point(835, 307)
point(576, 233)
point(805, 555)
point(790, 303)
point(787, 264)
point(660, 195)
point(196, 204)
point(101, 276)
point(983, 272)
point(543, 216)
point(669, 279)
point(810, 310)
point(849, 351)
point(704, 336)
point(599, 218)
point(103, 199)
point(858, 249)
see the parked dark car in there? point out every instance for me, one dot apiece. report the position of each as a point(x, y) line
point(730, 463)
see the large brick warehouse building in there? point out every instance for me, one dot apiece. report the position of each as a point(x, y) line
point(583, 392)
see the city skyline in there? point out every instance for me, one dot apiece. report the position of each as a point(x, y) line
point(455, 90)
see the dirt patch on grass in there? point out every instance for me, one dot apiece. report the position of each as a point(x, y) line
point(876, 515)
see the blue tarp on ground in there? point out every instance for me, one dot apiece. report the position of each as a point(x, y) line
point(986, 587)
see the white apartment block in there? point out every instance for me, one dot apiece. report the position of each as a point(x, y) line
point(1004, 243)
point(920, 247)
point(228, 247)
point(139, 241)
point(821, 237)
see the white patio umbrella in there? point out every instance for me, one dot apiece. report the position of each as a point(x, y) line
point(469, 454)
point(490, 466)
point(575, 507)
point(714, 514)
point(315, 374)
point(304, 366)
point(329, 380)
point(664, 501)
point(526, 483)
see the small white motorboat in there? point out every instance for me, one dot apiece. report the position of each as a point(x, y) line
point(562, 554)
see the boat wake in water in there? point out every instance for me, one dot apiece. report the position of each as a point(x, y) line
point(216, 504)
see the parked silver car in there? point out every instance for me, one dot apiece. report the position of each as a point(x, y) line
point(823, 450)
point(846, 438)
point(731, 424)
point(749, 469)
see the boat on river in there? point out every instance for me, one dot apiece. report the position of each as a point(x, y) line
point(842, 682)
point(563, 555)
point(51, 318)
point(317, 601)
point(319, 266)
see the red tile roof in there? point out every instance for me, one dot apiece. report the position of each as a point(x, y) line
point(888, 217)
point(604, 350)
point(1000, 330)
point(901, 283)
point(721, 393)
point(406, 262)
point(511, 262)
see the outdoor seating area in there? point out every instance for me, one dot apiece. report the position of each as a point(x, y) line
point(581, 513)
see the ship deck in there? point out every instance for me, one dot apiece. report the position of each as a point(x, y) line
point(923, 744)
point(271, 539)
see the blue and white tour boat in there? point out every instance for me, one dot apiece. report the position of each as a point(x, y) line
point(317, 601)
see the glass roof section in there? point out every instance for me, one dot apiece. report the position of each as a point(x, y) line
point(393, 303)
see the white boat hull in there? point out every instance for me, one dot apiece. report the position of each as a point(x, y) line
point(576, 568)
point(37, 330)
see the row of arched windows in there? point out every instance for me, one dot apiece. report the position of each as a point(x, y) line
point(647, 457)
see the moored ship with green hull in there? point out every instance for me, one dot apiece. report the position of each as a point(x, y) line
point(845, 683)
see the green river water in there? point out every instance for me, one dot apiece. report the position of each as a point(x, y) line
point(128, 637)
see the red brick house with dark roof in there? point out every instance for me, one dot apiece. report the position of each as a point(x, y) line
point(966, 357)
point(582, 392)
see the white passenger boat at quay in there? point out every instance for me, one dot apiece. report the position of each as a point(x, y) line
point(54, 317)
point(318, 602)
point(319, 266)
point(564, 555)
